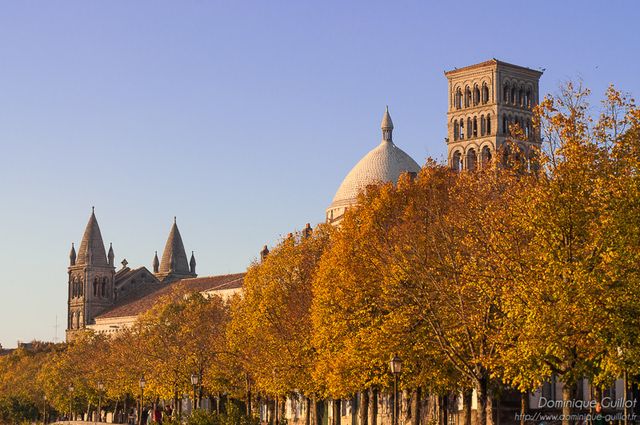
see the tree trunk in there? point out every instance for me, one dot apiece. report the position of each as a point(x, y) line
point(481, 394)
point(415, 407)
point(524, 401)
point(335, 412)
point(467, 399)
point(490, 407)
point(248, 397)
point(319, 412)
point(566, 398)
point(282, 404)
point(307, 411)
point(363, 409)
point(270, 411)
point(373, 406)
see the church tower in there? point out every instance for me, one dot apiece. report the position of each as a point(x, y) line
point(91, 279)
point(484, 99)
point(174, 264)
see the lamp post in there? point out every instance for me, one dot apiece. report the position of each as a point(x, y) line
point(194, 382)
point(624, 384)
point(142, 383)
point(396, 367)
point(100, 388)
point(71, 389)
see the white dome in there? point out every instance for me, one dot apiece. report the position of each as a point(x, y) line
point(385, 163)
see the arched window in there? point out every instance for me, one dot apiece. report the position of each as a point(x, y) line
point(456, 130)
point(505, 125)
point(485, 93)
point(527, 129)
point(476, 95)
point(77, 320)
point(95, 287)
point(521, 98)
point(475, 127)
point(483, 125)
point(469, 128)
point(471, 159)
point(103, 287)
point(505, 93)
point(461, 129)
point(467, 97)
point(527, 99)
point(488, 124)
point(486, 155)
point(513, 95)
point(456, 161)
point(458, 99)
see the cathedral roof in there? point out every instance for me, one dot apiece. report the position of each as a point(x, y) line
point(144, 299)
point(174, 257)
point(384, 163)
point(91, 249)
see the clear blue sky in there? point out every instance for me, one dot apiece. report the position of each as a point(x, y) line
point(240, 118)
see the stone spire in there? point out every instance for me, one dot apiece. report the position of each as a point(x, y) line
point(110, 255)
point(174, 257)
point(72, 255)
point(156, 263)
point(192, 263)
point(264, 253)
point(386, 126)
point(307, 231)
point(92, 248)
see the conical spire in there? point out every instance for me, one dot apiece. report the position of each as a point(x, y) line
point(156, 263)
point(174, 257)
point(92, 248)
point(72, 255)
point(386, 126)
point(110, 255)
point(192, 263)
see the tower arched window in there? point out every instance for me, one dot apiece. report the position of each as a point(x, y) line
point(486, 155)
point(483, 125)
point(488, 123)
point(505, 93)
point(456, 161)
point(471, 159)
point(527, 99)
point(476, 95)
point(456, 130)
point(461, 129)
point(521, 100)
point(485, 93)
point(475, 127)
point(458, 99)
point(103, 287)
point(467, 97)
point(469, 128)
point(95, 287)
point(513, 95)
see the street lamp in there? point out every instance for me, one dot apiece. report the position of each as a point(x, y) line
point(71, 389)
point(100, 388)
point(396, 367)
point(194, 382)
point(624, 383)
point(142, 384)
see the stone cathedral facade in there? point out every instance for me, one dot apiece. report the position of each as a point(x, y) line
point(106, 299)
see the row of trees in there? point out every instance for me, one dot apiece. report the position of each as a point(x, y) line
point(479, 280)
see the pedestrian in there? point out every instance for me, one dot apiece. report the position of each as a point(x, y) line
point(598, 418)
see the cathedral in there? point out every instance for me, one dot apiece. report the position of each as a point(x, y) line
point(106, 300)
point(483, 101)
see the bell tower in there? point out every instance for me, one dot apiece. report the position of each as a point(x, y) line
point(484, 99)
point(91, 279)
